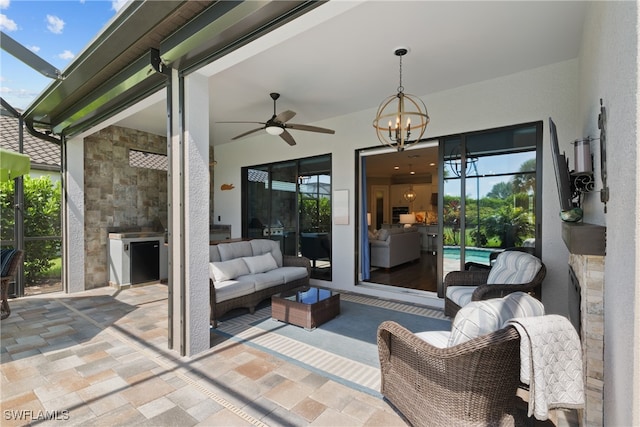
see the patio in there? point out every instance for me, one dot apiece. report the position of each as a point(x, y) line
point(100, 357)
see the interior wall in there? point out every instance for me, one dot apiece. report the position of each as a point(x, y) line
point(610, 50)
point(523, 97)
point(118, 197)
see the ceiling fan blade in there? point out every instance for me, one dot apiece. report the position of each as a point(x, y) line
point(309, 128)
point(246, 133)
point(285, 116)
point(287, 137)
point(258, 123)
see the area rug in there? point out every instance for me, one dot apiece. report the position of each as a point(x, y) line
point(343, 349)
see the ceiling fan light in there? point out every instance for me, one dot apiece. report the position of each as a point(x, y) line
point(274, 130)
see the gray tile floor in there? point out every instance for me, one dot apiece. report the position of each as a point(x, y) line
point(100, 358)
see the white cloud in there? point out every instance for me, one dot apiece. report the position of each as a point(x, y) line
point(34, 48)
point(55, 24)
point(18, 93)
point(7, 24)
point(66, 55)
point(117, 4)
point(4, 4)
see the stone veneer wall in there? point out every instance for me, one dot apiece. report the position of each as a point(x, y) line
point(119, 197)
point(589, 270)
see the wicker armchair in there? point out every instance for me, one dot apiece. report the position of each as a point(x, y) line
point(14, 264)
point(482, 290)
point(471, 384)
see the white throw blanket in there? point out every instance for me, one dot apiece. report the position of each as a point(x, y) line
point(551, 363)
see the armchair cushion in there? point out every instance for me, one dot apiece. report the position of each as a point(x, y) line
point(482, 317)
point(5, 261)
point(513, 267)
point(439, 339)
point(461, 295)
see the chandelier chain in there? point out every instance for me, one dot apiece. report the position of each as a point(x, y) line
point(400, 88)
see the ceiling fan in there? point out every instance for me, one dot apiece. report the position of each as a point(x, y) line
point(277, 125)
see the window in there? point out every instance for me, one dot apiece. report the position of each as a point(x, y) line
point(147, 160)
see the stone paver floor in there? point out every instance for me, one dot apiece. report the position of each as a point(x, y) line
point(100, 358)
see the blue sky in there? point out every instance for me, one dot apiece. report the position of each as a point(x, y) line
point(57, 31)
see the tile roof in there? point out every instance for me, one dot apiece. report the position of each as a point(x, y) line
point(40, 151)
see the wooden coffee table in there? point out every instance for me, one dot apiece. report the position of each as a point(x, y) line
point(307, 307)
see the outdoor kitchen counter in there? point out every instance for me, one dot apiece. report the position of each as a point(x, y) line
point(136, 235)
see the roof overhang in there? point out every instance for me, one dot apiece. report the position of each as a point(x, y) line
point(129, 59)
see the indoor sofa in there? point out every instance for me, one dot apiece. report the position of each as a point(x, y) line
point(394, 246)
point(243, 273)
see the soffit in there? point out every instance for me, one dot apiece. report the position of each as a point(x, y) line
point(118, 68)
point(127, 37)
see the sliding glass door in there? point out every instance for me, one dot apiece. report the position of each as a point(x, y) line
point(290, 202)
point(490, 192)
point(474, 194)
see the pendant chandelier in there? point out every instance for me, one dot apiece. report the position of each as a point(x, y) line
point(395, 122)
point(410, 195)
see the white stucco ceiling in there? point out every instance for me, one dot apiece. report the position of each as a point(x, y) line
point(338, 58)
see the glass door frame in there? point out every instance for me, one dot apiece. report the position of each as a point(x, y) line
point(443, 163)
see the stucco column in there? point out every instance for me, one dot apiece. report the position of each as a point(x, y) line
point(189, 214)
point(73, 216)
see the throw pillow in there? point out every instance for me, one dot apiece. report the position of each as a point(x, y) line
point(482, 317)
point(227, 270)
point(261, 263)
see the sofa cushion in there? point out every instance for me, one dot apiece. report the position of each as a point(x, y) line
point(227, 270)
point(383, 234)
point(229, 289)
point(262, 246)
point(214, 254)
point(398, 230)
point(267, 280)
point(260, 263)
point(513, 267)
point(289, 274)
point(234, 250)
point(482, 317)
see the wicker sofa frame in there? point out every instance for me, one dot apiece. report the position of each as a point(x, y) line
point(472, 384)
point(484, 291)
point(250, 301)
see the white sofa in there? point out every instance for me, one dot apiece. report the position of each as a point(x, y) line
point(394, 246)
point(243, 273)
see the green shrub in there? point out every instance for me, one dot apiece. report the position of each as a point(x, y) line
point(41, 219)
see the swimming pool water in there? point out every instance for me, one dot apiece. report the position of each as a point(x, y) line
point(478, 255)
